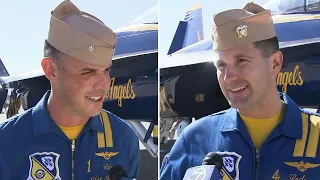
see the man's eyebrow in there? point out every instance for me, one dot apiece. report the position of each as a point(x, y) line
point(92, 69)
point(218, 61)
point(88, 69)
point(239, 56)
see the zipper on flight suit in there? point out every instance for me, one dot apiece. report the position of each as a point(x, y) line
point(73, 147)
point(257, 157)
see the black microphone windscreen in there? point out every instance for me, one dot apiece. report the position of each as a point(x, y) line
point(213, 159)
point(117, 172)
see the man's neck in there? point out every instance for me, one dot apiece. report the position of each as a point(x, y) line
point(63, 115)
point(267, 108)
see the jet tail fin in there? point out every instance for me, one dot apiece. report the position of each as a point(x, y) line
point(189, 31)
point(3, 70)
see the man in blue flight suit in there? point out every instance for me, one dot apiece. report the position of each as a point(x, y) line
point(67, 135)
point(264, 135)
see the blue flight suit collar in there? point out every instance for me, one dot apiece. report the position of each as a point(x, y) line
point(290, 126)
point(43, 123)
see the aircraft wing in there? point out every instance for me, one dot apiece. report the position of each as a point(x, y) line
point(184, 59)
point(301, 42)
point(22, 76)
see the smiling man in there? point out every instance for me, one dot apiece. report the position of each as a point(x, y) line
point(68, 135)
point(264, 135)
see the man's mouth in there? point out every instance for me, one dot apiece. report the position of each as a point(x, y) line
point(239, 88)
point(95, 98)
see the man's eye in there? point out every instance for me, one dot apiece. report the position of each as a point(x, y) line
point(242, 60)
point(107, 71)
point(221, 65)
point(87, 72)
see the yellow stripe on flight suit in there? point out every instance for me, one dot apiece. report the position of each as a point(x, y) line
point(313, 137)
point(300, 143)
point(105, 139)
point(107, 129)
point(100, 136)
point(155, 131)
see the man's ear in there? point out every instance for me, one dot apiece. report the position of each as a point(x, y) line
point(276, 62)
point(49, 68)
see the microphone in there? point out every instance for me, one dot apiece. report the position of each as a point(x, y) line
point(119, 173)
point(211, 169)
point(213, 159)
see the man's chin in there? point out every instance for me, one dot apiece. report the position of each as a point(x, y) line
point(95, 112)
point(237, 104)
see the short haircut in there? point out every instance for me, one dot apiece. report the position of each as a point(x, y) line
point(268, 46)
point(53, 53)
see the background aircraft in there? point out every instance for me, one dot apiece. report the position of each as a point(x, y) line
point(189, 87)
point(133, 95)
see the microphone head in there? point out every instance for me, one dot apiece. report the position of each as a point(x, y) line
point(117, 172)
point(213, 159)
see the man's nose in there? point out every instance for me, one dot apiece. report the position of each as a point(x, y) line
point(103, 81)
point(230, 74)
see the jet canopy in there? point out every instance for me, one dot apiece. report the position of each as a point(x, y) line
point(292, 6)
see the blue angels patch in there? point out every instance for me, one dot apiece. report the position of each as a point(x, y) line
point(230, 165)
point(44, 166)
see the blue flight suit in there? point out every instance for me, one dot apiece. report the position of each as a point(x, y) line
point(290, 152)
point(33, 147)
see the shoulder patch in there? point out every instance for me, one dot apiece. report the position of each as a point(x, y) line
point(44, 165)
point(230, 165)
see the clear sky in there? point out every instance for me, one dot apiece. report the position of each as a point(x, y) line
point(173, 11)
point(24, 26)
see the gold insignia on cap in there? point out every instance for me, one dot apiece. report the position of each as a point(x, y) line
point(242, 31)
point(90, 48)
point(81, 35)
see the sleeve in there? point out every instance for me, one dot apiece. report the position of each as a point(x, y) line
point(1, 158)
point(176, 162)
point(1, 167)
point(135, 159)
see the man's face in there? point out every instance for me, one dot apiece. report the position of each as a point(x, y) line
point(244, 75)
point(82, 87)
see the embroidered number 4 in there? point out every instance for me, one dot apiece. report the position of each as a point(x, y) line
point(276, 175)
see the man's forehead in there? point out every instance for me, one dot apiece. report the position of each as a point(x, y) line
point(77, 64)
point(242, 50)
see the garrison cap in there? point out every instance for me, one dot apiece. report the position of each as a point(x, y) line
point(81, 35)
point(235, 27)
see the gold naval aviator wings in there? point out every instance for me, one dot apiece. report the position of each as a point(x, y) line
point(106, 155)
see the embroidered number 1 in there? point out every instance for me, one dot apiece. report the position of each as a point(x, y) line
point(276, 175)
point(89, 166)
